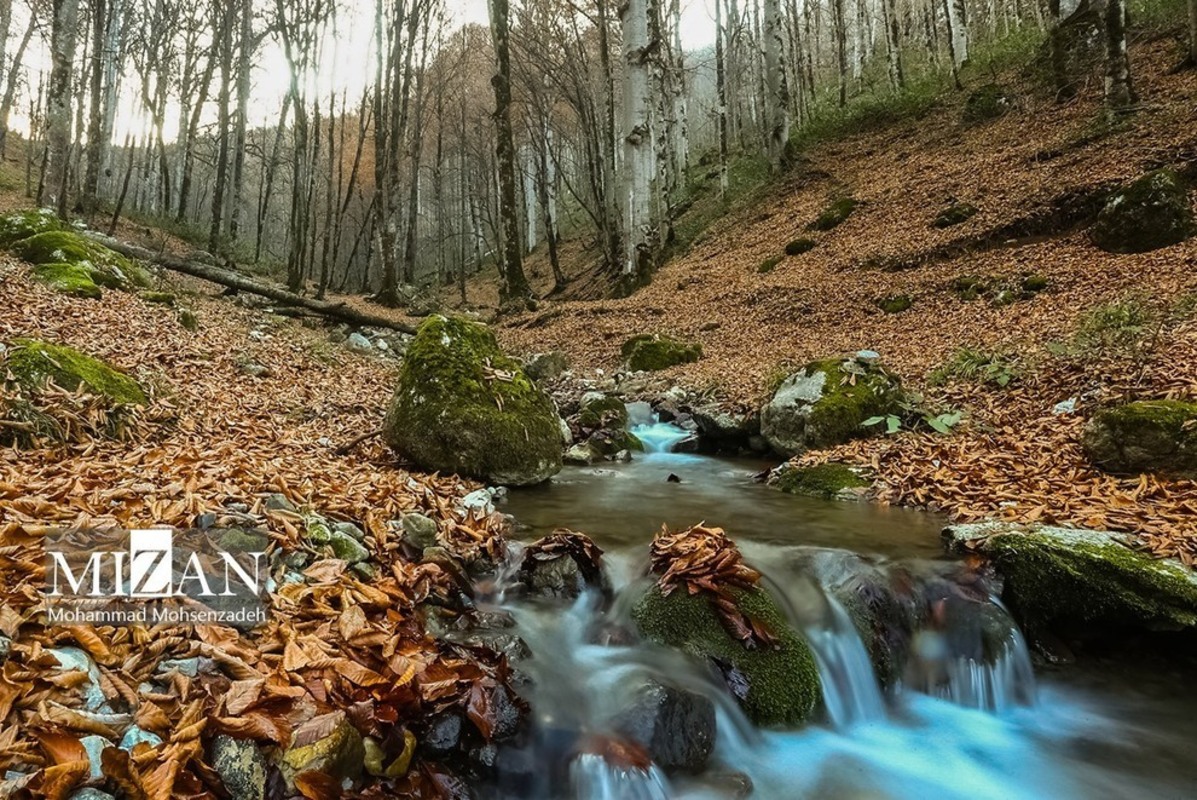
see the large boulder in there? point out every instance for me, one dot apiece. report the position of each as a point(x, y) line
point(107, 268)
point(18, 225)
point(776, 685)
point(651, 352)
point(464, 407)
point(825, 404)
point(1082, 582)
point(69, 279)
point(1150, 213)
point(34, 363)
point(1149, 436)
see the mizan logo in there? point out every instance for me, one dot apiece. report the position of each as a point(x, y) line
point(186, 572)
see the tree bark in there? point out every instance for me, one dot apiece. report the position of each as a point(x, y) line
point(58, 114)
point(639, 234)
point(514, 288)
point(10, 86)
point(1119, 94)
point(778, 112)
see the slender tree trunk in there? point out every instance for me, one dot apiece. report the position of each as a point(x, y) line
point(721, 95)
point(10, 84)
point(640, 244)
point(954, 55)
point(58, 98)
point(841, 47)
point(244, 62)
point(778, 94)
point(514, 289)
point(96, 146)
point(224, 97)
point(1119, 93)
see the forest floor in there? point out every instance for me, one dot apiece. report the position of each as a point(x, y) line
point(1012, 457)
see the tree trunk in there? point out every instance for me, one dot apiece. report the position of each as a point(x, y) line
point(10, 85)
point(1119, 93)
point(778, 95)
point(244, 63)
point(96, 146)
point(640, 237)
point(58, 99)
point(1193, 33)
point(513, 289)
point(721, 95)
point(841, 47)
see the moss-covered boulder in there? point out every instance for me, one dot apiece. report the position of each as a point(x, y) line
point(651, 352)
point(34, 363)
point(987, 103)
point(598, 410)
point(825, 404)
point(894, 303)
point(835, 214)
point(462, 406)
point(68, 279)
point(107, 267)
point(1150, 213)
point(797, 247)
point(955, 214)
point(1082, 582)
point(1149, 436)
point(768, 265)
point(830, 481)
point(19, 225)
point(775, 685)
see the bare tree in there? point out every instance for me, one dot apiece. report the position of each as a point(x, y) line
point(513, 288)
point(1119, 94)
point(58, 98)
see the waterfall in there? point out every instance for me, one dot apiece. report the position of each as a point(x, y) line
point(592, 777)
point(850, 690)
point(660, 437)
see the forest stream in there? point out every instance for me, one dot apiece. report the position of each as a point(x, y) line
point(964, 719)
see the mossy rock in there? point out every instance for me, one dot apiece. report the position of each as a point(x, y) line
point(835, 214)
point(1034, 284)
point(782, 682)
point(972, 287)
point(894, 303)
point(799, 246)
point(108, 268)
point(158, 298)
point(656, 352)
point(1149, 436)
point(768, 265)
point(20, 225)
point(462, 406)
point(188, 319)
point(988, 103)
point(1083, 581)
point(1150, 213)
point(68, 279)
point(825, 404)
point(600, 410)
point(955, 214)
point(609, 442)
point(828, 481)
point(33, 363)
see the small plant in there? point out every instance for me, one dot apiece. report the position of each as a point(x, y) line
point(894, 303)
point(955, 214)
point(768, 264)
point(978, 366)
point(800, 246)
point(834, 214)
point(1117, 328)
point(916, 413)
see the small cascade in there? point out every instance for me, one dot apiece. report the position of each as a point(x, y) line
point(660, 437)
point(593, 777)
point(850, 689)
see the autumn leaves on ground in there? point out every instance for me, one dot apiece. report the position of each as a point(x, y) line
point(1011, 457)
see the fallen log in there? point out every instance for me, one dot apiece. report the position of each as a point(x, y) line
point(235, 280)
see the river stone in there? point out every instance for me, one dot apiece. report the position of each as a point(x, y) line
point(347, 548)
point(328, 744)
point(91, 794)
point(241, 767)
point(652, 352)
point(419, 530)
point(94, 746)
point(599, 410)
point(676, 726)
point(548, 366)
point(1151, 436)
point(582, 454)
point(775, 686)
point(1082, 582)
point(825, 404)
point(358, 343)
point(444, 735)
point(556, 577)
point(350, 529)
point(726, 430)
point(464, 407)
point(1150, 213)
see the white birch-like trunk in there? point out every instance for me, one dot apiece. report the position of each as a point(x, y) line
point(778, 92)
point(637, 139)
point(958, 22)
point(58, 110)
point(528, 170)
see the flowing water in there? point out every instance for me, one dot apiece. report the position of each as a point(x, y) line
point(966, 718)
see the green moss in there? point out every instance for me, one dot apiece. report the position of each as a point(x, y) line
point(768, 264)
point(987, 103)
point(971, 287)
point(834, 214)
point(845, 403)
point(33, 363)
point(597, 410)
point(1147, 436)
point(1147, 214)
point(1075, 577)
point(799, 246)
point(108, 268)
point(821, 480)
point(188, 319)
point(656, 352)
point(69, 279)
point(23, 224)
point(610, 442)
point(894, 303)
point(159, 298)
point(955, 214)
point(783, 682)
point(463, 406)
point(1034, 283)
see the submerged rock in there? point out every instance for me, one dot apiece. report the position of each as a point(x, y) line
point(1150, 213)
point(1149, 436)
point(775, 685)
point(825, 404)
point(1081, 581)
point(726, 430)
point(464, 407)
point(675, 726)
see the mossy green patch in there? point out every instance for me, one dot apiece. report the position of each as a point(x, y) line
point(955, 214)
point(158, 298)
point(188, 319)
point(894, 303)
point(848, 399)
point(768, 264)
point(799, 246)
point(656, 352)
point(783, 681)
point(463, 406)
point(821, 480)
point(602, 410)
point(33, 363)
point(1147, 436)
point(19, 225)
point(1147, 214)
point(835, 214)
point(69, 279)
point(987, 103)
point(1082, 579)
point(108, 268)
